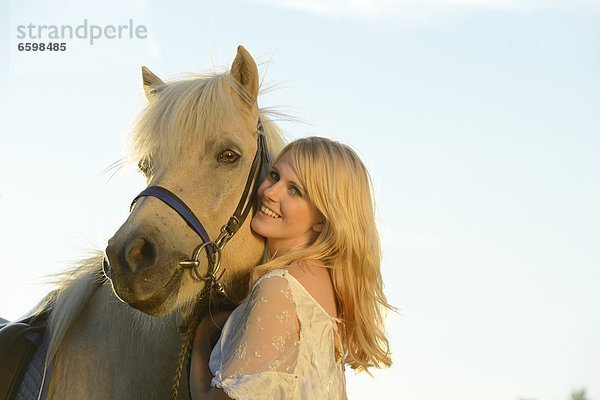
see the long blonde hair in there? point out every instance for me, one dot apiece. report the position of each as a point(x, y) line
point(337, 182)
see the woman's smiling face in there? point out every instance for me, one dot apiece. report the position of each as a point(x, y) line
point(286, 216)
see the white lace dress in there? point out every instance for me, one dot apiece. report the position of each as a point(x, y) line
point(278, 344)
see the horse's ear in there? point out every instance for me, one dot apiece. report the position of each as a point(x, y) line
point(152, 83)
point(245, 71)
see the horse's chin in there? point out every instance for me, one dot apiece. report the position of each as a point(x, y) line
point(159, 303)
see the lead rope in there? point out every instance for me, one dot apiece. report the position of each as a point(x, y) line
point(183, 356)
point(190, 325)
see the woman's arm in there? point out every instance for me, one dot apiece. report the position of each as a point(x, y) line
point(267, 340)
point(216, 393)
point(207, 335)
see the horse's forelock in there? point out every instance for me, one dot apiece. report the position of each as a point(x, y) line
point(184, 115)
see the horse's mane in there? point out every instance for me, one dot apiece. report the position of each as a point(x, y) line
point(72, 294)
point(172, 121)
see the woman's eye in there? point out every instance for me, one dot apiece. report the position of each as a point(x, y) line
point(295, 192)
point(229, 156)
point(274, 175)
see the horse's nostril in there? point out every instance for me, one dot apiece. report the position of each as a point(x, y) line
point(139, 254)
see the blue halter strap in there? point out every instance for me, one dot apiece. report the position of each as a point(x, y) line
point(171, 199)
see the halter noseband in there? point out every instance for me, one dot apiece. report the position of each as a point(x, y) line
point(213, 249)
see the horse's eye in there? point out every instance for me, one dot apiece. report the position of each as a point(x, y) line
point(229, 156)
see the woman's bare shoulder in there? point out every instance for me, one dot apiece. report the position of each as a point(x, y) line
point(315, 277)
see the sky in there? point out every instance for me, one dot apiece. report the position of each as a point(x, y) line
point(478, 120)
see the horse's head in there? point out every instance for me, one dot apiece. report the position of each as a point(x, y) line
point(197, 138)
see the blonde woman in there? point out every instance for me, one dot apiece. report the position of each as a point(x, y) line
point(317, 303)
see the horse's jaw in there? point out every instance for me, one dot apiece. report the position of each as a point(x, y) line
point(157, 303)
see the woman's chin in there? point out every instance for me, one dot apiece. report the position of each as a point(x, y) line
point(261, 225)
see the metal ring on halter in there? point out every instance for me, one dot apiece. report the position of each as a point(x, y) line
point(194, 262)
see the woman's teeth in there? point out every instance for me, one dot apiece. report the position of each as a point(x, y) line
point(269, 212)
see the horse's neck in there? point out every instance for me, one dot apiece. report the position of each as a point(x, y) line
point(111, 351)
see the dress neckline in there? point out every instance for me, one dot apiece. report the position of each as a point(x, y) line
point(284, 272)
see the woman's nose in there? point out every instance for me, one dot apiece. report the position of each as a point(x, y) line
point(271, 192)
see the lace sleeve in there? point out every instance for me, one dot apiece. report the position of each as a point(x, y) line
point(268, 338)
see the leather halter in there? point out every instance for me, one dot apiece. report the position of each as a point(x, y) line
point(213, 249)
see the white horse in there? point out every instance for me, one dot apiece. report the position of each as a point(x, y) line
point(198, 138)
